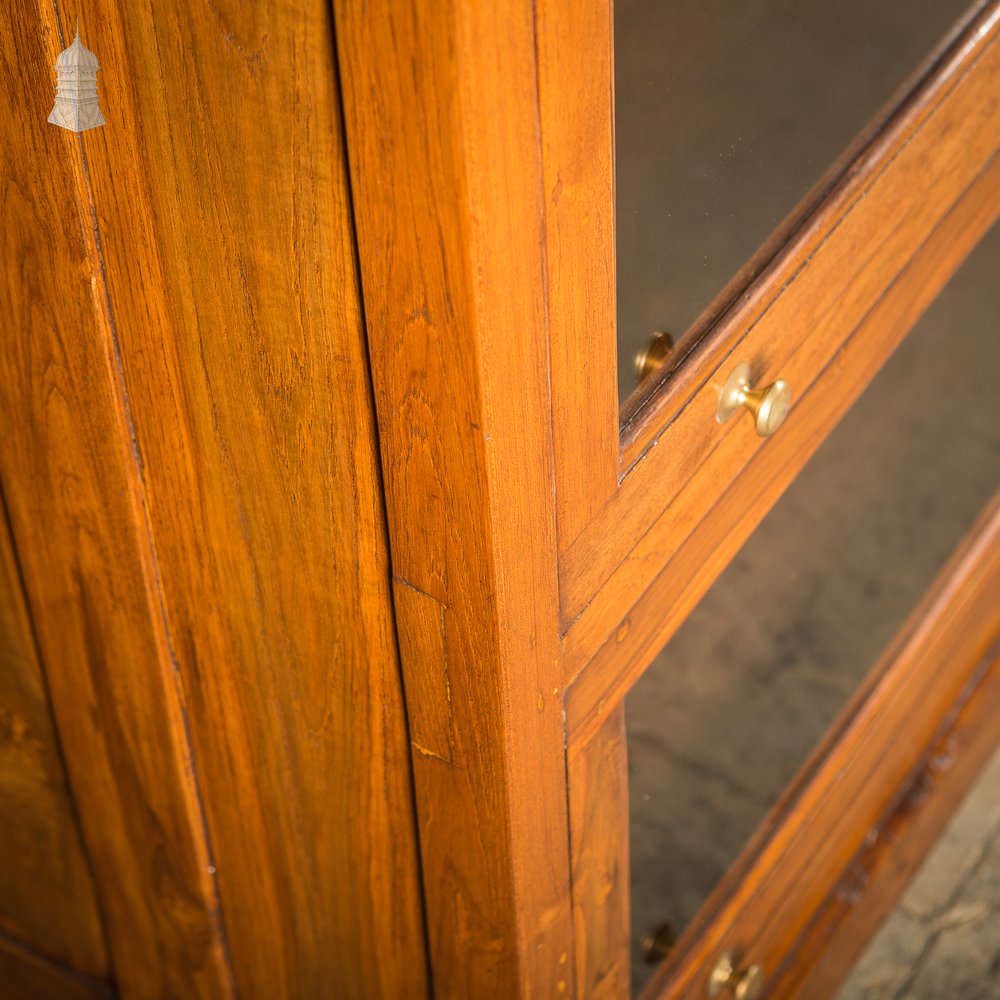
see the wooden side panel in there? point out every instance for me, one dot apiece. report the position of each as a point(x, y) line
point(599, 833)
point(575, 93)
point(47, 896)
point(26, 976)
point(441, 112)
point(222, 218)
point(71, 483)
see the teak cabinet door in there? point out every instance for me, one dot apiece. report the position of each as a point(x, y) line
point(542, 552)
point(329, 553)
point(190, 473)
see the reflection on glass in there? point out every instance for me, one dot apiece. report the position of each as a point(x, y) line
point(734, 704)
point(725, 116)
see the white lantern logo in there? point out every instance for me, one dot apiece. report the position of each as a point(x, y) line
point(76, 106)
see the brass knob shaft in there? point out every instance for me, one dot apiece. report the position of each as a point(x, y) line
point(768, 406)
point(742, 984)
point(658, 943)
point(654, 356)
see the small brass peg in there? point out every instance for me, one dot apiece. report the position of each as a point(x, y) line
point(654, 356)
point(742, 984)
point(658, 942)
point(769, 406)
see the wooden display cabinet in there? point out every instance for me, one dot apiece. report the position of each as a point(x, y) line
point(332, 553)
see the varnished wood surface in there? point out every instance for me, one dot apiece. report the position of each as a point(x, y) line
point(774, 890)
point(47, 898)
point(442, 134)
point(835, 271)
point(599, 835)
point(195, 484)
point(576, 117)
point(605, 669)
point(74, 496)
point(225, 280)
point(450, 286)
point(25, 975)
point(896, 847)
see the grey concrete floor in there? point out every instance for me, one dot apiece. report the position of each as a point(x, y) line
point(739, 697)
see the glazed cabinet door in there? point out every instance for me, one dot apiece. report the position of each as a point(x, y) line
point(551, 531)
point(805, 720)
point(762, 333)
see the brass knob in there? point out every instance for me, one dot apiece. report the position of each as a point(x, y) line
point(653, 357)
point(658, 943)
point(743, 984)
point(769, 405)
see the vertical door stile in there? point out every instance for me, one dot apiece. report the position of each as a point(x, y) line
point(441, 111)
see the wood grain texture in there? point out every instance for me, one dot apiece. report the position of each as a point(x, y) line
point(603, 677)
point(576, 102)
point(222, 222)
point(895, 848)
point(835, 272)
point(442, 130)
point(47, 898)
point(774, 890)
point(25, 975)
point(71, 483)
point(599, 834)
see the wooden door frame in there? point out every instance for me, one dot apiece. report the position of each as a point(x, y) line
point(534, 548)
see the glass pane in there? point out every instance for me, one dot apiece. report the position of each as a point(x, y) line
point(737, 700)
point(725, 116)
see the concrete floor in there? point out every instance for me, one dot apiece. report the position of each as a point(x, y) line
point(732, 706)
